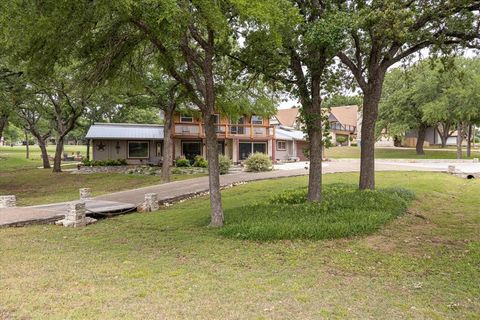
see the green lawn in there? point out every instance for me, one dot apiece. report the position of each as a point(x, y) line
point(21, 177)
point(168, 265)
point(397, 153)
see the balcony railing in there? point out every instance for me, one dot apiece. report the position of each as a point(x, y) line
point(225, 130)
point(342, 127)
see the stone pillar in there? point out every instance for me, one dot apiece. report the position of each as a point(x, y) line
point(8, 201)
point(76, 215)
point(451, 169)
point(85, 193)
point(151, 202)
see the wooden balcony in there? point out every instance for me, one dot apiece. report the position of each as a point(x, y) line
point(245, 131)
point(337, 126)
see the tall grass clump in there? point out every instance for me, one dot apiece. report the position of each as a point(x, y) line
point(344, 211)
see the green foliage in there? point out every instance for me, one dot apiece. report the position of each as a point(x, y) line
point(224, 163)
point(258, 162)
point(344, 211)
point(341, 139)
point(338, 100)
point(182, 162)
point(200, 162)
point(430, 93)
point(104, 163)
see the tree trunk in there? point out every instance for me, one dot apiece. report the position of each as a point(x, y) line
point(422, 129)
point(313, 121)
point(459, 140)
point(3, 124)
point(444, 134)
point(213, 171)
point(27, 145)
point(43, 150)
point(57, 161)
point(469, 141)
point(367, 143)
point(88, 149)
point(167, 144)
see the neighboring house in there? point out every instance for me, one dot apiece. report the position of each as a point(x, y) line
point(343, 121)
point(143, 143)
point(432, 138)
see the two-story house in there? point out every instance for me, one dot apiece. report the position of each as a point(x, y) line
point(143, 143)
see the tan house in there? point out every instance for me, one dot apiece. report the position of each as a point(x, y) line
point(143, 143)
point(343, 121)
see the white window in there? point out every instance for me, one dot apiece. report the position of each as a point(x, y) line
point(282, 145)
point(138, 149)
point(186, 118)
point(257, 120)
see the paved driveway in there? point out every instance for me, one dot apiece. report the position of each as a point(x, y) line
point(185, 188)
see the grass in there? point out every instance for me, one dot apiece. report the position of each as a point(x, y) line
point(168, 264)
point(21, 177)
point(397, 153)
point(344, 212)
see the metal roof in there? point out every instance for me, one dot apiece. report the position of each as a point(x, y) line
point(125, 131)
point(289, 134)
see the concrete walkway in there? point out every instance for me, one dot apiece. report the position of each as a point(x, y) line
point(173, 191)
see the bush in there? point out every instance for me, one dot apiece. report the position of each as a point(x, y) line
point(102, 163)
point(224, 164)
point(341, 139)
point(258, 162)
point(182, 162)
point(344, 211)
point(200, 162)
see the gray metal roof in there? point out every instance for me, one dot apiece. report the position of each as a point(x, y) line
point(125, 131)
point(290, 134)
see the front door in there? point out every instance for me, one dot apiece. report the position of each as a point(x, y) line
point(191, 149)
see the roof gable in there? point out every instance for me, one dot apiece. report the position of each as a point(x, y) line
point(346, 115)
point(287, 117)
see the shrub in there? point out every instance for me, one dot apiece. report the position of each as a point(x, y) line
point(101, 163)
point(182, 162)
point(224, 164)
point(258, 162)
point(200, 162)
point(341, 139)
point(344, 211)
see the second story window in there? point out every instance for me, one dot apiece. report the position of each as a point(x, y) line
point(216, 119)
point(186, 118)
point(257, 120)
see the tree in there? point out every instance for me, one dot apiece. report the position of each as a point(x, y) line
point(294, 43)
point(31, 116)
point(405, 93)
point(384, 33)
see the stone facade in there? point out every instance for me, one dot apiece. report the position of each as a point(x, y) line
point(85, 193)
point(150, 204)
point(8, 201)
point(76, 216)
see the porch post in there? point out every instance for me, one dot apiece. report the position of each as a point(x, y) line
point(274, 160)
